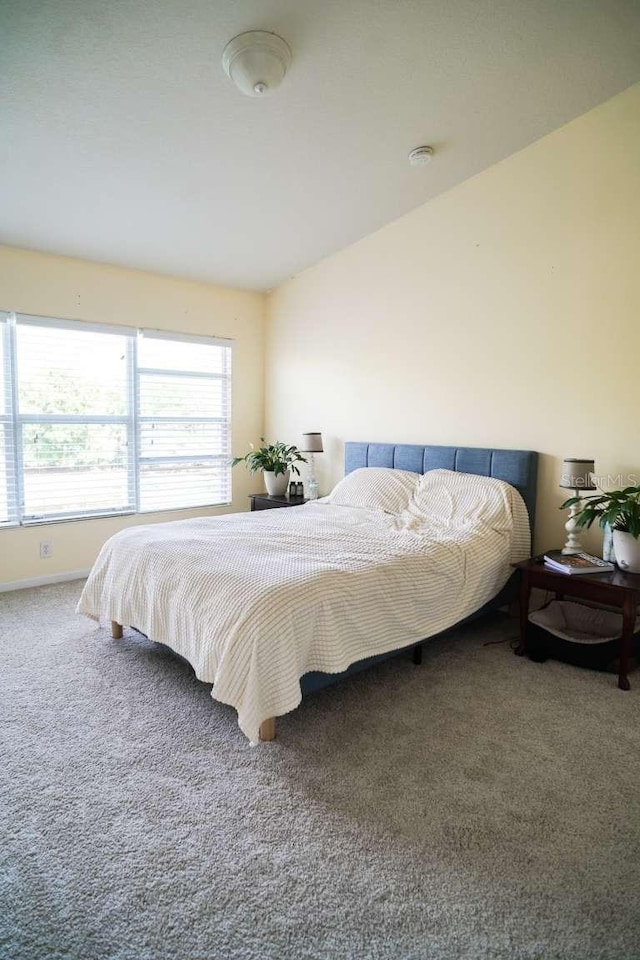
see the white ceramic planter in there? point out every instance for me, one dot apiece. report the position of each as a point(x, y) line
point(276, 486)
point(627, 550)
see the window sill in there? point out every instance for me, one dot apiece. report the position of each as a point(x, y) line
point(45, 521)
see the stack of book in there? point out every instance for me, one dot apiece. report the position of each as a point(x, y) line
point(576, 563)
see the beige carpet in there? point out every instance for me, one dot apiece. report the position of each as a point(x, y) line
point(479, 806)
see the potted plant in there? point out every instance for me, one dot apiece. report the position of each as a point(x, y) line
point(276, 460)
point(620, 509)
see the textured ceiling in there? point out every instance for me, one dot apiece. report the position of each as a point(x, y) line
point(122, 140)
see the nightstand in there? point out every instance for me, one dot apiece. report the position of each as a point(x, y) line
point(615, 588)
point(266, 501)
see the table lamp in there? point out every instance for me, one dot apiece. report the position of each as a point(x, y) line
point(312, 444)
point(576, 476)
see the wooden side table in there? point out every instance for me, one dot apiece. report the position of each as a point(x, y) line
point(616, 589)
point(266, 501)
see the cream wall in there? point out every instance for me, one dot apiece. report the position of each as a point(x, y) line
point(505, 313)
point(62, 287)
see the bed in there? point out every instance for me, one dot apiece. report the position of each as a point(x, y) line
point(267, 606)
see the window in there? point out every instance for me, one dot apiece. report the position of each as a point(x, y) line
point(97, 420)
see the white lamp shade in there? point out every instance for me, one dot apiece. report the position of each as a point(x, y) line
point(311, 443)
point(577, 474)
point(256, 62)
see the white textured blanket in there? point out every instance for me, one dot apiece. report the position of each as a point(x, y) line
point(254, 601)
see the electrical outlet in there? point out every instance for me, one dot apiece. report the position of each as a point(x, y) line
point(46, 549)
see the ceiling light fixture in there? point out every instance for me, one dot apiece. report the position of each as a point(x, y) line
point(420, 156)
point(256, 62)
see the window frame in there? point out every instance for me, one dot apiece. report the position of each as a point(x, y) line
point(13, 421)
point(7, 419)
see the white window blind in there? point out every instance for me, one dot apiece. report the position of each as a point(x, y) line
point(184, 422)
point(101, 420)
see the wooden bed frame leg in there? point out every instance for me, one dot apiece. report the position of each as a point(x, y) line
point(417, 654)
point(268, 729)
point(116, 630)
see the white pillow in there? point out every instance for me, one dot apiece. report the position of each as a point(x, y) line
point(378, 488)
point(453, 498)
point(446, 500)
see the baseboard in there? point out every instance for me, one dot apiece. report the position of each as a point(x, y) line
point(42, 581)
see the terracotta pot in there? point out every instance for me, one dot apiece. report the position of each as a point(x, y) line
point(276, 485)
point(627, 550)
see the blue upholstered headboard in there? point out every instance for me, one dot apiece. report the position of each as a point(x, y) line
point(517, 467)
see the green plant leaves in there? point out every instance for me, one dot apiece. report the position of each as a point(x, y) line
point(275, 457)
point(619, 508)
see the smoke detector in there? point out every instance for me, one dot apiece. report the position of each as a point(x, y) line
point(420, 156)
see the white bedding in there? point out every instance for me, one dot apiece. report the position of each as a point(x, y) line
point(254, 601)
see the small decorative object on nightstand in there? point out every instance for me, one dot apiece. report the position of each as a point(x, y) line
point(576, 475)
point(312, 444)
